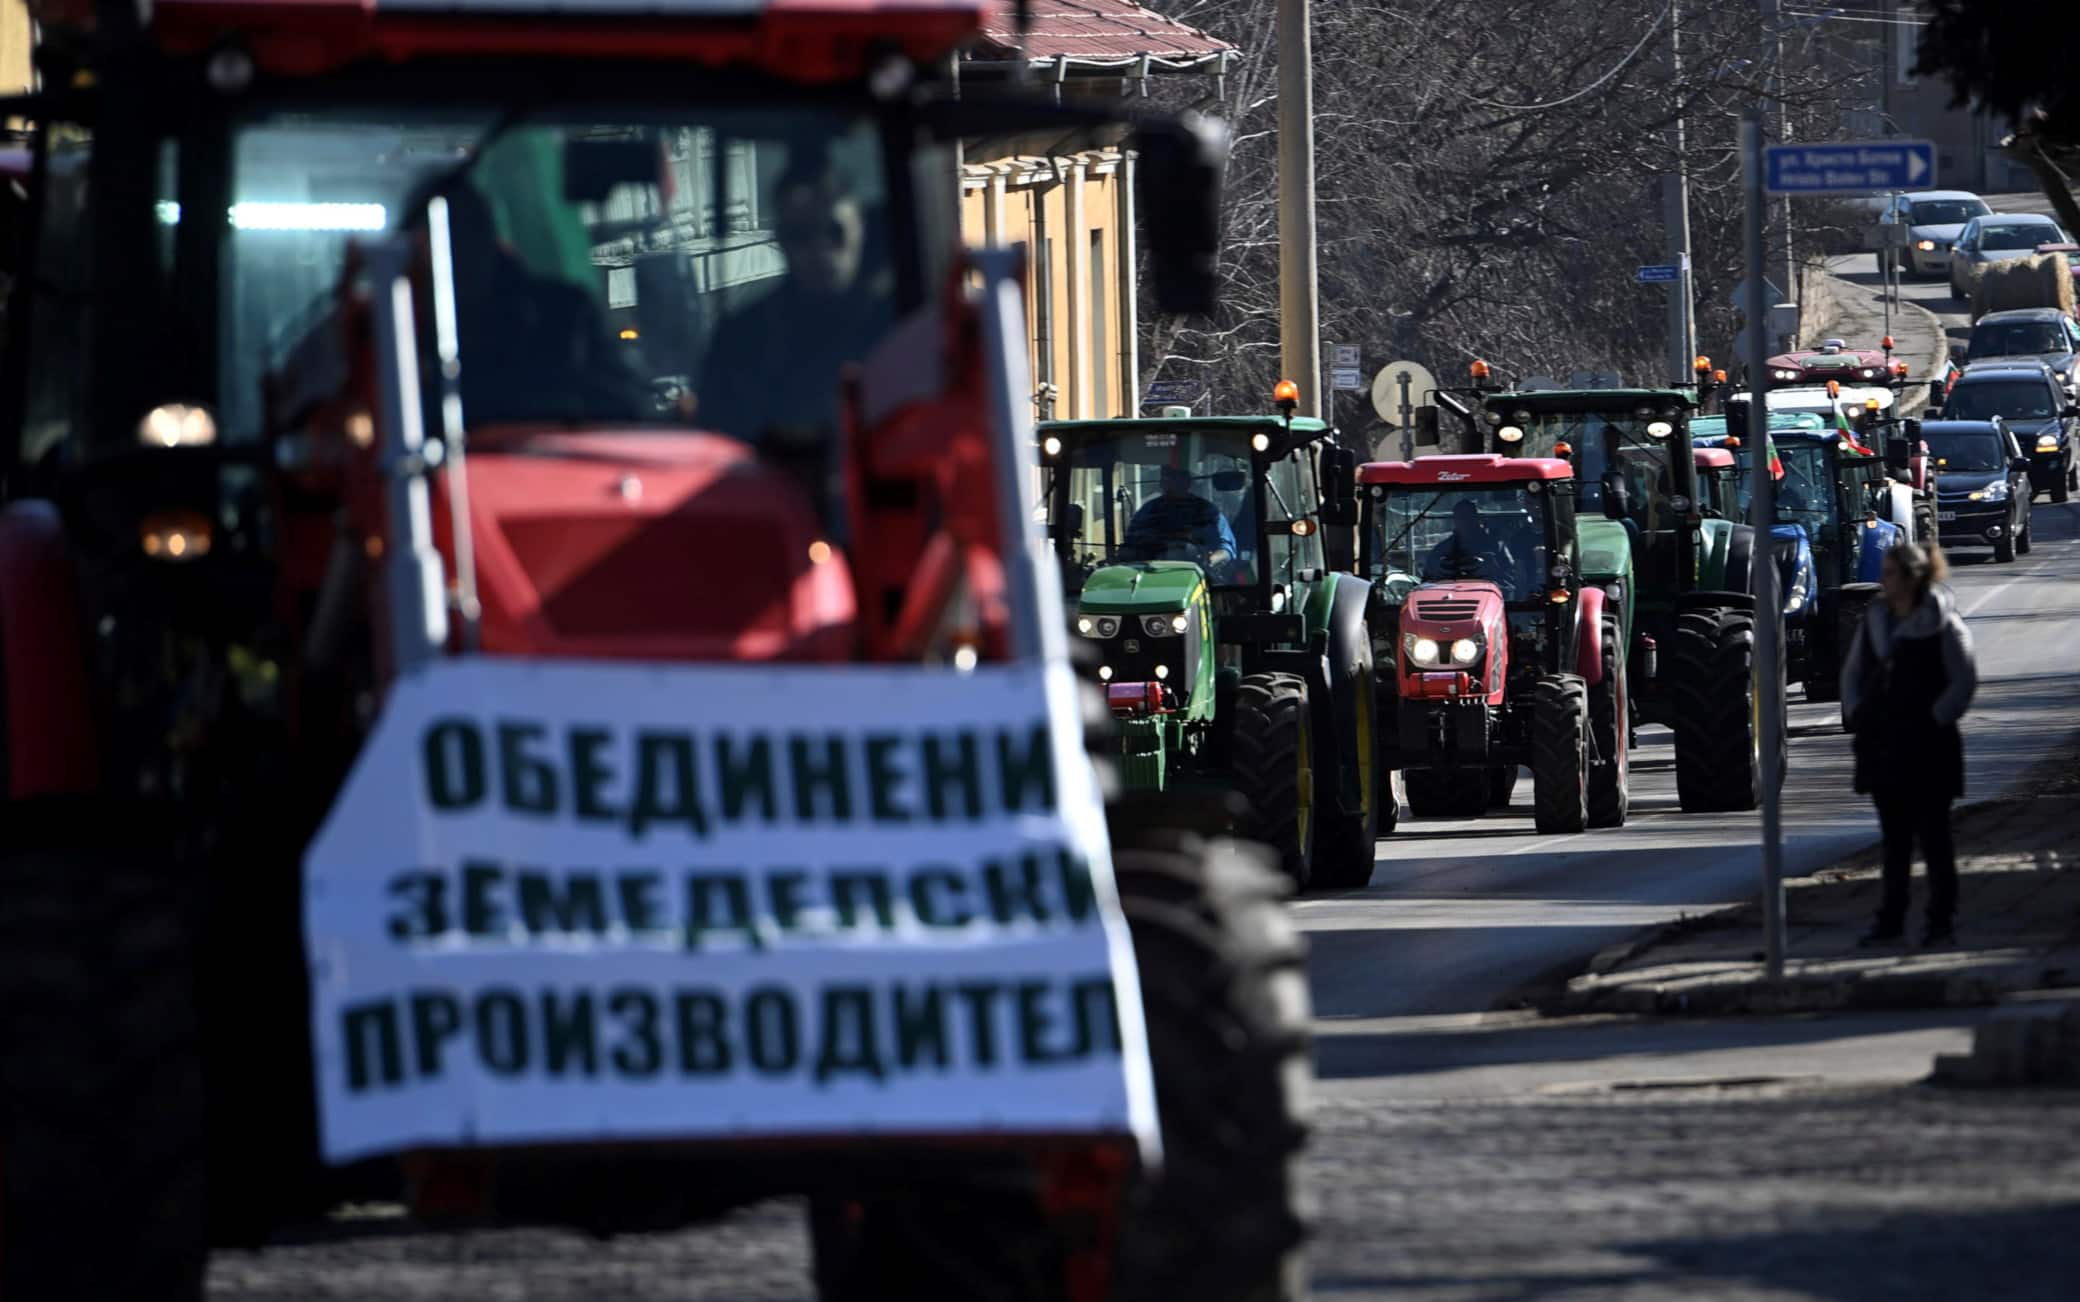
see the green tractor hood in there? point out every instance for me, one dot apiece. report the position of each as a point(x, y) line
point(1142, 588)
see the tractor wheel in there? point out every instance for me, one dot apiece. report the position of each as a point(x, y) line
point(1560, 753)
point(1924, 523)
point(1224, 997)
point(101, 1148)
point(1502, 784)
point(1610, 776)
point(1447, 793)
point(1347, 842)
point(1717, 725)
point(1273, 752)
point(1224, 992)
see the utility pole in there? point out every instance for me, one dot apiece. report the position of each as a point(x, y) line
point(1675, 193)
point(1777, 114)
point(1764, 577)
point(1299, 294)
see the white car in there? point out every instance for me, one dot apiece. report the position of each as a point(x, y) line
point(1934, 219)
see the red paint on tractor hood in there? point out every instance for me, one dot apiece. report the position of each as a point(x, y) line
point(1479, 468)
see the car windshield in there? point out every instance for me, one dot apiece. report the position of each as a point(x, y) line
point(1963, 449)
point(2009, 238)
point(1947, 212)
point(2008, 399)
point(706, 265)
point(1181, 494)
point(2016, 338)
point(1492, 532)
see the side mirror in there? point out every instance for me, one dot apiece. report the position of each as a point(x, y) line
point(1179, 177)
point(1899, 455)
point(1617, 496)
point(1072, 521)
point(1340, 474)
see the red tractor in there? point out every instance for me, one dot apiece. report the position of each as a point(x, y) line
point(528, 692)
point(1505, 657)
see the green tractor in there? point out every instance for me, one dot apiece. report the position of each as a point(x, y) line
point(1206, 560)
point(1679, 575)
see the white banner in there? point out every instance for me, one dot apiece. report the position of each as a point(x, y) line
point(572, 901)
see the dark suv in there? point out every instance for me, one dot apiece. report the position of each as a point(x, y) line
point(1982, 485)
point(2025, 394)
point(2042, 334)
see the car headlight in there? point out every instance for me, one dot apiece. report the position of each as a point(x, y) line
point(1421, 650)
point(1801, 592)
point(1098, 626)
point(1465, 651)
point(2047, 442)
point(1164, 625)
point(1926, 246)
point(1992, 493)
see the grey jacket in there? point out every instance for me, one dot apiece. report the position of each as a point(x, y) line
point(1935, 617)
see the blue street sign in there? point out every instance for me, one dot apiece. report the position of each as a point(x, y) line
point(1663, 275)
point(1172, 391)
point(1855, 167)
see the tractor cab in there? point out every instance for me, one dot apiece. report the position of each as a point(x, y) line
point(1718, 493)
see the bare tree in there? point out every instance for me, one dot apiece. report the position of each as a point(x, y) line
point(1488, 179)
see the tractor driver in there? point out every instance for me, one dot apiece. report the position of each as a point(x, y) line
point(1178, 515)
point(534, 348)
point(771, 375)
point(1473, 551)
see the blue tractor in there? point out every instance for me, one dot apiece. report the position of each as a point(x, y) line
point(1829, 537)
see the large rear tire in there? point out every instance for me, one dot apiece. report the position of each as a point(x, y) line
point(1610, 775)
point(1273, 751)
point(1224, 993)
point(1717, 727)
point(101, 1134)
point(1447, 793)
point(1348, 841)
point(1560, 753)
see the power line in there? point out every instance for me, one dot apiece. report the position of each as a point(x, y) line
point(1593, 86)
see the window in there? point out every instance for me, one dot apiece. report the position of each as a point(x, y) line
point(2008, 399)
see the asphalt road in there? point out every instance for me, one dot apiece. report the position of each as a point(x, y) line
point(1461, 913)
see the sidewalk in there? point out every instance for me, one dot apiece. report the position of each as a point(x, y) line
point(2018, 929)
point(1856, 314)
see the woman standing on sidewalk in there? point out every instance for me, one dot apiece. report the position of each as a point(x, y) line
point(1906, 681)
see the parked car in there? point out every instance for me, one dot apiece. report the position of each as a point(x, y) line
point(2034, 406)
point(1934, 219)
point(1997, 237)
point(2043, 334)
point(1982, 493)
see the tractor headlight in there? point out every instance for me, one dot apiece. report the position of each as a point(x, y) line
point(1465, 651)
point(1510, 434)
point(1995, 492)
point(2047, 442)
point(1801, 592)
point(1163, 625)
point(1421, 650)
point(1098, 626)
point(1782, 374)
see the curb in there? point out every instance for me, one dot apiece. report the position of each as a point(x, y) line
point(2032, 1039)
point(1850, 992)
point(1842, 291)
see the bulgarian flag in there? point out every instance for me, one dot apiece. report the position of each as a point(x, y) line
point(1848, 435)
point(1776, 463)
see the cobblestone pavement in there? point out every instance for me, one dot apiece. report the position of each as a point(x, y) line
point(1742, 1193)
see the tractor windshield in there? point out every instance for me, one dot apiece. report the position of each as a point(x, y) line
point(707, 265)
point(1804, 493)
point(1182, 494)
point(1632, 441)
point(1495, 532)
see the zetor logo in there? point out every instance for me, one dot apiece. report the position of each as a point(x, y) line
point(1449, 476)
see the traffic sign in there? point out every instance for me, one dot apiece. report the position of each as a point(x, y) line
point(1386, 389)
point(1346, 357)
point(1853, 167)
point(1169, 391)
point(1345, 379)
point(1666, 274)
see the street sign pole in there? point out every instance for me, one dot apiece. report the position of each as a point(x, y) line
point(1408, 421)
point(1762, 498)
